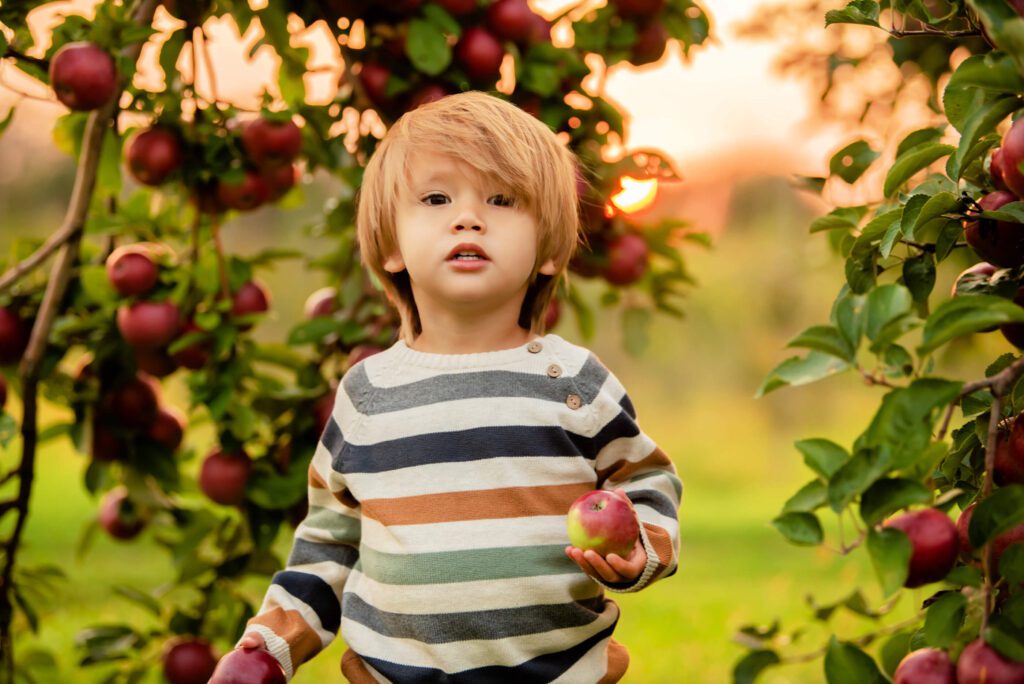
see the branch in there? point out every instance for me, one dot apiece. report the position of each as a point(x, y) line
point(932, 33)
point(17, 54)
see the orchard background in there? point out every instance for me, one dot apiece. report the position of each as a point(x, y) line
point(756, 118)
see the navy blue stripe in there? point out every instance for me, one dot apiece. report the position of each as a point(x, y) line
point(653, 499)
point(619, 426)
point(315, 593)
point(627, 406)
point(461, 446)
point(544, 668)
point(306, 552)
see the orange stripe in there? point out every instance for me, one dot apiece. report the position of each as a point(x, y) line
point(344, 496)
point(303, 642)
point(315, 480)
point(622, 470)
point(662, 543)
point(354, 670)
point(484, 504)
point(618, 661)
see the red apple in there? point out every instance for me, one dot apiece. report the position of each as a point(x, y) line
point(244, 195)
point(1009, 458)
point(14, 336)
point(457, 7)
point(322, 302)
point(195, 355)
point(279, 180)
point(252, 298)
point(374, 78)
point(934, 542)
point(189, 660)
point(1014, 332)
point(1018, 7)
point(981, 664)
point(156, 362)
point(996, 170)
point(1013, 155)
point(249, 666)
point(83, 76)
point(650, 44)
point(271, 143)
point(107, 446)
point(627, 259)
point(540, 31)
point(118, 516)
point(431, 92)
point(963, 521)
point(133, 403)
point(153, 155)
point(980, 271)
point(638, 9)
point(168, 428)
point(3, 392)
point(480, 53)
point(998, 242)
point(510, 19)
point(925, 666)
point(223, 477)
point(131, 271)
point(190, 11)
point(148, 324)
point(603, 521)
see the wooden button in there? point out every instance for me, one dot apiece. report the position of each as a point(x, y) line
point(554, 370)
point(534, 347)
point(573, 401)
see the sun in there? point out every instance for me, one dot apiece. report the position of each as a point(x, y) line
point(636, 194)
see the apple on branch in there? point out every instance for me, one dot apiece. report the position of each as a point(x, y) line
point(83, 76)
point(925, 666)
point(981, 664)
point(189, 660)
point(934, 544)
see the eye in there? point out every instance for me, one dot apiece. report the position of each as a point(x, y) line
point(429, 199)
point(504, 200)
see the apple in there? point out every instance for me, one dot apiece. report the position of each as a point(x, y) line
point(981, 664)
point(360, 352)
point(279, 180)
point(252, 298)
point(374, 78)
point(979, 272)
point(133, 403)
point(195, 355)
point(249, 666)
point(107, 446)
point(118, 516)
point(540, 31)
point(148, 324)
point(1013, 155)
point(480, 53)
point(934, 542)
point(156, 362)
point(996, 170)
point(604, 522)
point(457, 7)
point(191, 11)
point(1014, 332)
point(925, 666)
point(3, 392)
point(189, 660)
point(244, 195)
point(83, 76)
point(168, 428)
point(223, 476)
point(627, 259)
point(650, 44)
point(1009, 458)
point(637, 9)
point(153, 155)
point(511, 19)
point(322, 302)
point(998, 242)
point(271, 143)
point(431, 92)
point(131, 271)
point(553, 313)
point(14, 336)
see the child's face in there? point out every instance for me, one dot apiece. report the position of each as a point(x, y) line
point(449, 204)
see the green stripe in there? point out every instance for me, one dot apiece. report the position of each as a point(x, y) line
point(465, 566)
point(341, 527)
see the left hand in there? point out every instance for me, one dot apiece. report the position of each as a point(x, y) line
point(612, 569)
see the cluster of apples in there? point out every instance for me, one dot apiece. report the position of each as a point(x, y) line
point(1001, 243)
point(620, 257)
point(979, 663)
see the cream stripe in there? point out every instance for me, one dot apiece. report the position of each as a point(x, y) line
point(466, 534)
point(590, 668)
point(276, 596)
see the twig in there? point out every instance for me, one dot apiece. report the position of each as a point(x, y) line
point(932, 33)
point(995, 413)
point(873, 379)
point(38, 61)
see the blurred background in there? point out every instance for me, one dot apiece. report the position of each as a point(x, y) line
point(739, 128)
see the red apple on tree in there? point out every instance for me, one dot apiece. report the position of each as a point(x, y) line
point(248, 666)
point(119, 517)
point(153, 155)
point(106, 445)
point(224, 475)
point(131, 271)
point(981, 664)
point(148, 324)
point(510, 19)
point(244, 195)
point(996, 170)
point(998, 242)
point(133, 403)
point(189, 660)
point(271, 143)
point(322, 302)
point(360, 352)
point(979, 272)
point(279, 179)
point(156, 362)
point(604, 522)
point(925, 666)
point(83, 76)
point(252, 298)
point(1012, 156)
point(374, 78)
point(650, 44)
point(627, 259)
point(431, 92)
point(934, 544)
point(480, 53)
point(195, 355)
point(1009, 456)
point(14, 336)
point(168, 428)
point(638, 9)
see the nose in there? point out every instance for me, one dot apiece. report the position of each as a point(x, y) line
point(468, 218)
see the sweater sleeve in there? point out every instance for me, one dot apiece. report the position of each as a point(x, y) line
point(301, 611)
point(626, 458)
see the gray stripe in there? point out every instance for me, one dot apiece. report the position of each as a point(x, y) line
point(306, 552)
point(654, 499)
point(442, 628)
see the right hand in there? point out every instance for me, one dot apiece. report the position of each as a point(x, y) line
point(252, 640)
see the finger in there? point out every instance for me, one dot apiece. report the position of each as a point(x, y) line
point(577, 557)
point(605, 571)
point(627, 568)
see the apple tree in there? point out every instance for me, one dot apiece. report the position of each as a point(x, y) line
point(135, 285)
point(932, 489)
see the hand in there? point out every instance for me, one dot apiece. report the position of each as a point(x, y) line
point(252, 640)
point(612, 569)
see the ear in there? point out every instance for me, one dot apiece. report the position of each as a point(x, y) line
point(548, 268)
point(394, 263)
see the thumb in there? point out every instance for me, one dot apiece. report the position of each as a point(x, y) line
point(250, 641)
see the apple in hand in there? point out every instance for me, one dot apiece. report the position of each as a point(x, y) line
point(189, 661)
point(981, 664)
point(604, 522)
point(248, 666)
point(83, 76)
point(934, 542)
point(925, 666)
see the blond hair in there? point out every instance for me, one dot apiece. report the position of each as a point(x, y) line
point(503, 144)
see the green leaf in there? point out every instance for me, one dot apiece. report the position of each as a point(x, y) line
point(911, 162)
point(853, 477)
point(889, 495)
point(902, 426)
point(885, 304)
point(893, 650)
point(427, 47)
point(138, 597)
point(753, 664)
point(797, 371)
point(1011, 564)
point(979, 123)
point(824, 338)
point(1002, 640)
point(920, 137)
point(822, 456)
point(847, 664)
point(919, 276)
point(995, 514)
point(811, 496)
point(990, 71)
point(436, 15)
point(943, 619)
point(96, 285)
point(841, 217)
point(802, 529)
point(852, 161)
point(890, 551)
point(863, 12)
point(936, 206)
point(848, 316)
point(1003, 26)
point(965, 315)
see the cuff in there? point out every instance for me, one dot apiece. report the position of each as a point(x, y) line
point(277, 646)
point(645, 577)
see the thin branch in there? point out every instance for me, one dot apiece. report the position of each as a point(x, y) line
point(932, 33)
point(995, 413)
point(874, 379)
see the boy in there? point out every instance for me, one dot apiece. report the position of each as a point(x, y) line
point(436, 535)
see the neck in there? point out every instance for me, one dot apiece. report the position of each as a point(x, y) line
point(445, 332)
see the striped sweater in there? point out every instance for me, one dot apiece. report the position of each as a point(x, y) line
point(436, 530)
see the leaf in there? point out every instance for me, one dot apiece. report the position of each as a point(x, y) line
point(1008, 645)
point(139, 597)
point(911, 162)
point(802, 529)
point(943, 619)
point(980, 122)
point(890, 551)
point(822, 456)
point(902, 426)
point(96, 285)
point(852, 161)
point(889, 495)
point(436, 15)
point(811, 496)
point(965, 315)
point(753, 664)
point(863, 12)
point(824, 338)
point(852, 478)
point(990, 71)
point(919, 276)
point(885, 304)
point(920, 137)
point(427, 47)
point(847, 664)
point(996, 514)
point(936, 206)
point(797, 371)
point(841, 217)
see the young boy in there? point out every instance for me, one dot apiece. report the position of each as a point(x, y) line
point(436, 535)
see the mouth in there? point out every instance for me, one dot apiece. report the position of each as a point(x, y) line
point(467, 252)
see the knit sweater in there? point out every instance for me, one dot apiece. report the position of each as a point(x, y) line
point(436, 531)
